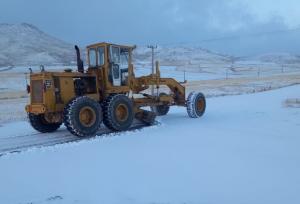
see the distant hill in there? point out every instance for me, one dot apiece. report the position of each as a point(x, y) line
point(279, 58)
point(25, 44)
point(180, 56)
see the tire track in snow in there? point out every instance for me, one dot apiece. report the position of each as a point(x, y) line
point(19, 143)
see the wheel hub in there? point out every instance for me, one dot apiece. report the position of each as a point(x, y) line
point(122, 112)
point(200, 105)
point(87, 116)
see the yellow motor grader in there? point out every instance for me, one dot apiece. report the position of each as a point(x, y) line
point(107, 91)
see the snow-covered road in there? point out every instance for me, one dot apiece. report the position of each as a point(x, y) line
point(19, 136)
point(244, 150)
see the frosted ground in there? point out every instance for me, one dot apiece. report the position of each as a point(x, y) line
point(244, 150)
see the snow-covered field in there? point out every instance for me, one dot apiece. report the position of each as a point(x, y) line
point(244, 150)
point(13, 96)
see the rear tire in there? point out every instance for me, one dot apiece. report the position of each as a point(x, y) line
point(196, 105)
point(83, 116)
point(39, 123)
point(161, 109)
point(118, 112)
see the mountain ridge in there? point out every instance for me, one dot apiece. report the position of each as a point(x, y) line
point(25, 44)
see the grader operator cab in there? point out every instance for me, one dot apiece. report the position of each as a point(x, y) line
point(107, 92)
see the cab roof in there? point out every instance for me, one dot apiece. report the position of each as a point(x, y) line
point(109, 44)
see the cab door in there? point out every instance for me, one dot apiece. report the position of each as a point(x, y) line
point(115, 65)
point(119, 65)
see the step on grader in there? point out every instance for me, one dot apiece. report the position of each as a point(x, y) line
point(108, 91)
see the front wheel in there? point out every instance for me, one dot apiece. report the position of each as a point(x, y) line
point(196, 105)
point(39, 123)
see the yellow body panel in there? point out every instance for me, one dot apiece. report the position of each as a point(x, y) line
point(67, 92)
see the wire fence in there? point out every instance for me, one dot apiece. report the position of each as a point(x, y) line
point(193, 72)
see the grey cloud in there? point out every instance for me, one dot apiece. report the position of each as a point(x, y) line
point(142, 22)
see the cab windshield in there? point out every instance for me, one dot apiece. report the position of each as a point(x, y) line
point(100, 56)
point(96, 56)
point(124, 55)
point(92, 58)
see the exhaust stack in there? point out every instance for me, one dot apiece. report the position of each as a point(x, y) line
point(80, 66)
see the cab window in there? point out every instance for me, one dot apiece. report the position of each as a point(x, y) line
point(115, 54)
point(124, 55)
point(100, 56)
point(92, 58)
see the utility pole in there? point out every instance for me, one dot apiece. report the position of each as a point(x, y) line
point(152, 47)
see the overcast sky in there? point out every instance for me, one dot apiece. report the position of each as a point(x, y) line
point(223, 25)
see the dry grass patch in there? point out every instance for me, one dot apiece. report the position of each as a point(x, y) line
point(292, 103)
